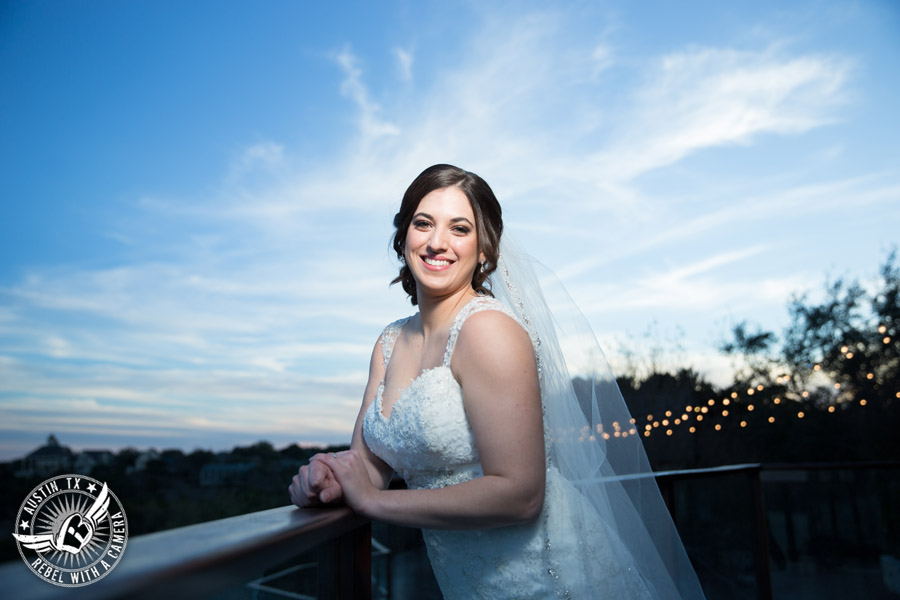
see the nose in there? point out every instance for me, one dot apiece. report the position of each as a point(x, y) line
point(437, 242)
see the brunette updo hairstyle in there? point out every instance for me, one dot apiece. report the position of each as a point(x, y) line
point(488, 221)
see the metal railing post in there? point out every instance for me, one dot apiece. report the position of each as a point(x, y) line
point(760, 537)
point(345, 566)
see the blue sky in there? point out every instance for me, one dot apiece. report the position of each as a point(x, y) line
point(197, 197)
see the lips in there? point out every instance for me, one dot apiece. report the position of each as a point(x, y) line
point(435, 263)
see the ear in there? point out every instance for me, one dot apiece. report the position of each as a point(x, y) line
point(481, 258)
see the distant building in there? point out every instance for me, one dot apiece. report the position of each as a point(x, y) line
point(47, 460)
point(142, 459)
point(88, 460)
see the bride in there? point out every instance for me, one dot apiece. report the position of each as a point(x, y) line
point(523, 487)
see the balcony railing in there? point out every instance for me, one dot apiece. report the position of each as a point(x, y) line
point(200, 560)
point(756, 531)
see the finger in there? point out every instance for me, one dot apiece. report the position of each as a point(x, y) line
point(315, 474)
point(329, 460)
point(331, 493)
point(295, 497)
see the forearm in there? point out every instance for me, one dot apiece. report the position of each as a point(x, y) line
point(379, 474)
point(484, 502)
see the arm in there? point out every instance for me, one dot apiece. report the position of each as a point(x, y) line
point(315, 483)
point(494, 362)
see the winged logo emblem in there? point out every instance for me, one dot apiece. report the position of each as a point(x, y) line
point(76, 531)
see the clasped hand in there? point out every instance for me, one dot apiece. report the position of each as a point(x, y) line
point(329, 478)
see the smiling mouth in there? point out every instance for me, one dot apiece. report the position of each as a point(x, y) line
point(434, 262)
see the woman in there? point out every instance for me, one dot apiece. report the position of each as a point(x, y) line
point(471, 403)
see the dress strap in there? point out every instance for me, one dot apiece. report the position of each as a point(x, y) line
point(389, 338)
point(475, 305)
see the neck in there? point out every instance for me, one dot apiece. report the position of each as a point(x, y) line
point(437, 313)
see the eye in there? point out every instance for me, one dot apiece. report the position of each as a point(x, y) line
point(421, 224)
point(462, 230)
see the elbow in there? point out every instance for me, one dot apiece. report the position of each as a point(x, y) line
point(529, 509)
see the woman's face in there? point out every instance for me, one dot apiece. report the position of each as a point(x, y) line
point(442, 243)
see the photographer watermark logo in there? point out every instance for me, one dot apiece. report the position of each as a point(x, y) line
point(71, 530)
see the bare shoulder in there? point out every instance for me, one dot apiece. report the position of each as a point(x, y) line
point(491, 336)
point(376, 365)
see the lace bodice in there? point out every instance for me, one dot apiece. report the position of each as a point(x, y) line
point(428, 440)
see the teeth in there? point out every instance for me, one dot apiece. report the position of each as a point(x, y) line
point(437, 263)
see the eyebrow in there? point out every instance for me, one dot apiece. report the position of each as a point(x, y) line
point(453, 220)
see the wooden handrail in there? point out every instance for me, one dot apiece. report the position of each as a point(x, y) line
point(193, 561)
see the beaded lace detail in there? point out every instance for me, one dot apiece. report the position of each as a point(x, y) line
point(428, 440)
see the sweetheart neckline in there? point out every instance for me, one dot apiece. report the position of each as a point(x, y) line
point(379, 397)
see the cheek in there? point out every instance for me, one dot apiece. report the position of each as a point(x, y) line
point(466, 250)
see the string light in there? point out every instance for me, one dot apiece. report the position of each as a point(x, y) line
point(887, 339)
point(882, 329)
point(671, 421)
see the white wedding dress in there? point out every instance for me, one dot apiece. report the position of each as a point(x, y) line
point(427, 440)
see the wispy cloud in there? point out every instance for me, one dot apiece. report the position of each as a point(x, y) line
point(709, 97)
point(353, 87)
point(404, 63)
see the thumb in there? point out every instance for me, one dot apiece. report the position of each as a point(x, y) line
point(326, 495)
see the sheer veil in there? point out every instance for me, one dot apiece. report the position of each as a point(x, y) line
point(591, 438)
